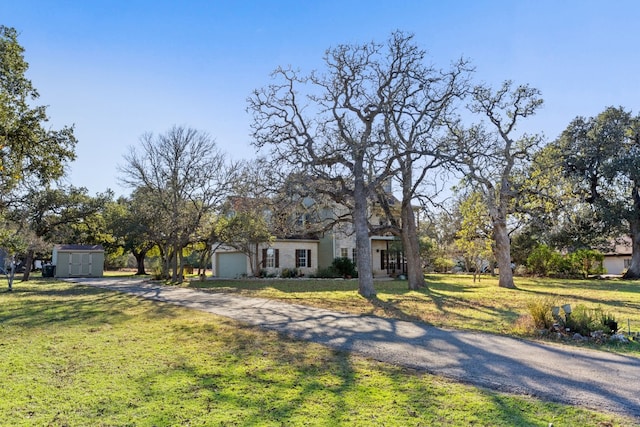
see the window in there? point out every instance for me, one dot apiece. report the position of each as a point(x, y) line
point(627, 263)
point(303, 220)
point(270, 258)
point(303, 258)
point(344, 252)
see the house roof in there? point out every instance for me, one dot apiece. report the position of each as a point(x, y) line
point(621, 247)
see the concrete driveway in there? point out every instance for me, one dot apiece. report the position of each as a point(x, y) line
point(587, 378)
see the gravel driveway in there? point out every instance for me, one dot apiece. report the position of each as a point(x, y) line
point(587, 378)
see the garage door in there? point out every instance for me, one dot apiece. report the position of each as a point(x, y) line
point(232, 265)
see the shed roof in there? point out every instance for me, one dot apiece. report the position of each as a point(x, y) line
point(79, 248)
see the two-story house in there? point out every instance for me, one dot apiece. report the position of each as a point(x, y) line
point(317, 236)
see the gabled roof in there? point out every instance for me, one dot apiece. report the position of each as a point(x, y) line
point(78, 248)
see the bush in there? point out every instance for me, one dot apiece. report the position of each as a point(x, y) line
point(156, 273)
point(264, 273)
point(344, 267)
point(584, 321)
point(610, 322)
point(288, 273)
point(443, 264)
point(327, 273)
point(544, 261)
point(541, 312)
point(585, 262)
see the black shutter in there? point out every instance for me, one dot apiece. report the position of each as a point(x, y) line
point(309, 258)
point(277, 260)
point(264, 258)
point(297, 258)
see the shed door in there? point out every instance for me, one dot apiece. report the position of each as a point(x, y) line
point(80, 264)
point(232, 265)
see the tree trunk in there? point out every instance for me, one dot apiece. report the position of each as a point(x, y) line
point(361, 226)
point(179, 266)
point(633, 272)
point(140, 256)
point(502, 253)
point(202, 264)
point(28, 262)
point(411, 245)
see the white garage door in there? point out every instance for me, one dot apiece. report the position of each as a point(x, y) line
point(231, 265)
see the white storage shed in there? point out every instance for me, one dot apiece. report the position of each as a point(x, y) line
point(78, 260)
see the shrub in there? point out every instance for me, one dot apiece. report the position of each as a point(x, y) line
point(327, 273)
point(344, 267)
point(264, 273)
point(541, 312)
point(585, 262)
point(443, 264)
point(610, 322)
point(544, 261)
point(156, 273)
point(583, 320)
point(287, 273)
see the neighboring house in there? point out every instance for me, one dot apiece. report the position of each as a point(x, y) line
point(618, 259)
point(78, 260)
point(310, 249)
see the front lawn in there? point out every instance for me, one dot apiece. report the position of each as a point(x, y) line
point(79, 356)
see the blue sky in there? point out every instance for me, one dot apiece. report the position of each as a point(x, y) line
point(117, 69)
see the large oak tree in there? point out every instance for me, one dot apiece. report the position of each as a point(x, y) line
point(30, 152)
point(365, 118)
point(493, 155)
point(601, 155)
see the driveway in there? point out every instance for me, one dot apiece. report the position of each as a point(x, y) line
point(587, 378)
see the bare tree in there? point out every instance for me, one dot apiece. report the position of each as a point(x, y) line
point(183, 176)
point(492, 159)
point(354, 126)
point(418, 100)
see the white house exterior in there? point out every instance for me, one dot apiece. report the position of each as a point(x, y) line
point(271, 258)
point(618, 260)
point(307, 255)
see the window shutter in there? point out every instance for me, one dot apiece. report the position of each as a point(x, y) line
point(309, 258)
point(277, 256)
point(264, 258)
point(297, 258)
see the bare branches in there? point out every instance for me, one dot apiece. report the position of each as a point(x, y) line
point(184, 176)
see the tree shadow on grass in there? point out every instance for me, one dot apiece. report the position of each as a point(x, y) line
point(39, 305)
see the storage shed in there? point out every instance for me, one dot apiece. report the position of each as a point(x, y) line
point(78, 260)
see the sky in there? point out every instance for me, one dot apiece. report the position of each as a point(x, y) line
point(117, 69)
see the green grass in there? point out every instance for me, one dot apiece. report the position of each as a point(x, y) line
point(453, 301)
point(78, 356)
